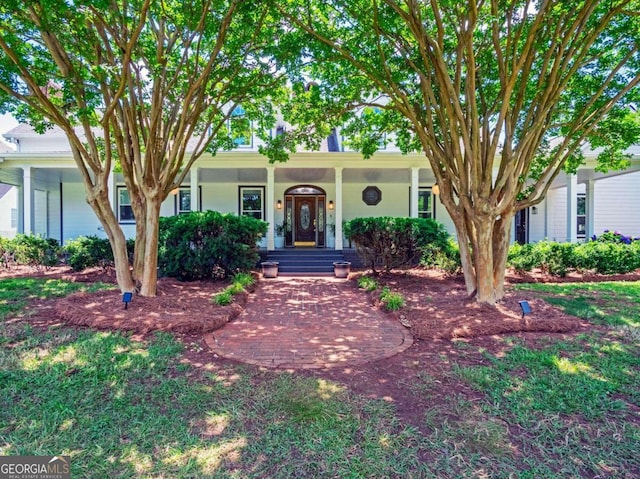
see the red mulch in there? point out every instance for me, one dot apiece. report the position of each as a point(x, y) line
point(438, 307)
point(179, 307)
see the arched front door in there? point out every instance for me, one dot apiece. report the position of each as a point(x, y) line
point(305, 216)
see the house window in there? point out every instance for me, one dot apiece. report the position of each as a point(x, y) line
point(240, 128)
point(183, 201)
point(14, 217)
point(425, 203)
point(582, 215)
point(125, 212)
point(252, 201)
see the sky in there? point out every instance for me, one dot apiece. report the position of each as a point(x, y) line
point(7, 122)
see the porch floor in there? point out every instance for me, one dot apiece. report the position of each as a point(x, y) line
point(305, 322)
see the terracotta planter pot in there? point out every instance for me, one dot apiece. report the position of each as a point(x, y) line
point(270, 269)
point(341, 269)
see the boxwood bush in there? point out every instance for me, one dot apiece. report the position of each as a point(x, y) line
point(31, 250)
point(208, 245)
point(391, 242)
point(611, 253)
point(88, 251)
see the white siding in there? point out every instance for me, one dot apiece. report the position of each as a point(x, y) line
point(7, 203)
point(78, 218)
point(537, 223)
point(617, 203)
point(557, 214)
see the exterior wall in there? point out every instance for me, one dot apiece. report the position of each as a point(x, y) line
point(78, 218)
point(614, 208)
point(537, 223)
point(7, 203)
point(556, 208)
point(616, 205)
point(556, 214)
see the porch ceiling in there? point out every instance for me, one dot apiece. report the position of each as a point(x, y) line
point(587, 174)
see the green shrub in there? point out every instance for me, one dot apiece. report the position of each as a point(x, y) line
point(6, 256)
point(367, 283)
point(235, 288)
point(208, 245)
point(606, 257)
point(88, 251)
point(33, 250)
point(223, 298)
point(391, 301)
point(523, 257)
point(395, 242)
point(447, 259)
point(243, 279)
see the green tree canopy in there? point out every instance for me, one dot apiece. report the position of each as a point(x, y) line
point(500, 96)
point(146, 84)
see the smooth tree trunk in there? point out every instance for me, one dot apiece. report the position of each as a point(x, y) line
point(483, 240)
point(99, 202)
point(149, 277)
point(139, 249)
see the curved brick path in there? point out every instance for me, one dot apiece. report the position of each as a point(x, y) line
point(300, 322)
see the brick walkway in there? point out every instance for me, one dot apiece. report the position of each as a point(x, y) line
point(301, 322)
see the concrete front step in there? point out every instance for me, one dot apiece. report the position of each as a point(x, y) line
point(312, 261)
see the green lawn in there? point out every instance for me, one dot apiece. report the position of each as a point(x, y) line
point(127, 408)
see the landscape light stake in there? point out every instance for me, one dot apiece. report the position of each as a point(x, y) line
point(126, 298)
point(526, 309)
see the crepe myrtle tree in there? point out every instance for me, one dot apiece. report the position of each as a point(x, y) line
point(499, 95)
point(143, 87)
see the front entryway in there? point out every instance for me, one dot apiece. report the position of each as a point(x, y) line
point(522, 226)
point(305, 220)
point(305, 216)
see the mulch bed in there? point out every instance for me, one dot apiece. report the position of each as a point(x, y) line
point(178, 307)
point(439, 307)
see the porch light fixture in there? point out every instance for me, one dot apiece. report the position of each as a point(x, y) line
point(174, 191)
point(126, 298)
point(526, 308)
point(534, 210)
point(279, 204)
point(330, 205)
point(435, 189)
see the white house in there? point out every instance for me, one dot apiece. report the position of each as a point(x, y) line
point(313, 193)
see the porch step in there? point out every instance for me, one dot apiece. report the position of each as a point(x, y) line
point(303, 260)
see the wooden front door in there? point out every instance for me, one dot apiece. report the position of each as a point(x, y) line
point(305, 223)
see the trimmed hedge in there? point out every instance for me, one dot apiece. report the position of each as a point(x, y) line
point(208, 245)
point(89, 251)
point(611, 253)
point(30, 250)
point(398, 242)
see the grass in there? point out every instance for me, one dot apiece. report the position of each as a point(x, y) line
point(607, 303)
point(125, 407)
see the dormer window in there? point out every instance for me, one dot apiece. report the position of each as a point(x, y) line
point(240, 128)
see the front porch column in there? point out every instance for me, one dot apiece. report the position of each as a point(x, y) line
point(194, 188)
point(415, 186)
point(572, 208)
point(271, 198)
point(27, 201)
point(591, 202)
point(338, 226)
